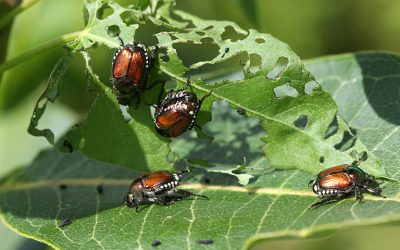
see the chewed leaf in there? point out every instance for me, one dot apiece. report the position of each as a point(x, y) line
point(102, 28)
point(50, 94)
point(276, 89)
point(276, 99)
point(106, 135)
point(79, 203)
point(366, 88)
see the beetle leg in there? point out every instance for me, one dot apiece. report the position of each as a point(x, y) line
point(186, 86)
point(181, 193)
point(154, 54)
point(138, 209)
point(155, 83)
point(310, 182)
point(326, 199)
point(204, 97)
point(198, 108)
point(161, 92)
point(358, 194)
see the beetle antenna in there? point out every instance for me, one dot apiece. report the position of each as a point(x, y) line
point(204, 97)
point(185, 170)
point(120, 40)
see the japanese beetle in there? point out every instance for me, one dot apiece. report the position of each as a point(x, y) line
point(177, 113)
point(337, 182)
point(130, 70)
point(157, 187)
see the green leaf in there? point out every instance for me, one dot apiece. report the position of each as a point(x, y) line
point(276, 91)
point(235, 150)
point(274, 206)
point(50, 94)
point(365, 86)
point(102, 29)
point(106, 135)
point(256, 94)
point(34, 204)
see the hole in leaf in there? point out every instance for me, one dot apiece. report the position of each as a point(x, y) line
point(207, 40)
point(363, 156)
point(354, 154)
point(128, 17)
point(230, 33)
point(191, 53)
point(113, 31)
point(332, 128)
point(310, 86)
point(190, 25)
point(321, 159)
point(165, 58)
point(141, 4)
point(145, 33)
point(104, 11)
point(209, 27)
point(348, 141)
point(162, 53)
point(229, 69)
point(67, 144)
point(285, 90)
point(85, 16)
point(200, 33)
point(301, 122)
point(255, 63)
point(42, 103)
point(260, 40)
point(280, 66)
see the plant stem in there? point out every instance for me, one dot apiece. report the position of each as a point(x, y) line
point(22, 7)
point(59, 41)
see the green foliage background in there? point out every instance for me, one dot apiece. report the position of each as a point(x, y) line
point(320, 28)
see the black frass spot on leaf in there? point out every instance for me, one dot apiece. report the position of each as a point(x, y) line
point(65, 222)
point(100, 189)
point(241, 111)
point(225, 52)
point(205, 242)
point(155, 243)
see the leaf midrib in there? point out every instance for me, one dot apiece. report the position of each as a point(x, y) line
point(126, 182)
